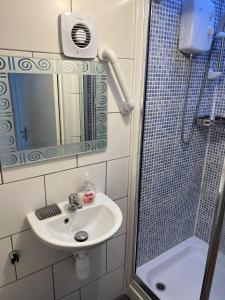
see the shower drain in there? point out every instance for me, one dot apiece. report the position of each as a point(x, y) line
point(160, 286)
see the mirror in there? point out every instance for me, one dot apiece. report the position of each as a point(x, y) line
point(51, 108)
point(34, 100)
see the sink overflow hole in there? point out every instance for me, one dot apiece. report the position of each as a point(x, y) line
point(66, 221)
point(81, 236)
point(160, 286)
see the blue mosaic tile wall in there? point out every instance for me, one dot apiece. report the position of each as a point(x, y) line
point(171, 172)
point(210, 183)
point(213, 165)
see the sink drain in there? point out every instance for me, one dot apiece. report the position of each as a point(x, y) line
point(81, 236)
point(160, 286)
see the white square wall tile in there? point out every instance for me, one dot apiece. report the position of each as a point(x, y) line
point(36, 23)
point(40, 168)
point(38, 286)
point(16, 200)
point(118, 141)
point(34, 254)
point(117, 178)
point(15, 53)
point(122, 203)
point(73, 296)
point(7, 271)
point(65, 275)
point(108, 287)
point(115, 23)
point(116, 252)
point(60, 185)
point(115, 97)
point(48, 55)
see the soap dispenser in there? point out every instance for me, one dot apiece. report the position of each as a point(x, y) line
point(87, 190)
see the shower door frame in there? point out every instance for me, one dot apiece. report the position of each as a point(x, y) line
point(136, 287)
point(141, 54)
point(215, 239)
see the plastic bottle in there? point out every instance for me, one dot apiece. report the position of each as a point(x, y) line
point(87, 191)
point(82, 266)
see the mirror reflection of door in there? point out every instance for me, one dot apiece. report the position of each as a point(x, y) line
point(71, 114)
point(52, 109)
point(35, 108)
point(77, 107)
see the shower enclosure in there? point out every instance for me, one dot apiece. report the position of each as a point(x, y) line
point(180, 240)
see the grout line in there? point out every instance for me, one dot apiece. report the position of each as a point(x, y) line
point(24, 179)
point(14, 233)
point(129, 170)
point(125, 255)
point(53, 284)
point(30, 51)
point(14, 264)
point(64, 170)
point(106, 257)
point(76, 160)
point(83, 286)
point(63, 259)
point(102, 276)
point(45, 191)
point(1, 174)
point(11, 242)
point(45, 52)
point(123, 197)
point(21, 278)
point(19, 53)
point(115, 237)
point(97, 163)
point(114, 112)
point(126, 58)
point(103, 161)
point(39, 270)
point(51, 266)
point(40, 175)
point(12, 282)
point(106, 174)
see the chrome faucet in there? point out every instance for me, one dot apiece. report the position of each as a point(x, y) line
point(74, 202)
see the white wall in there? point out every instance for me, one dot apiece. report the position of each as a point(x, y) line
point(30, 28)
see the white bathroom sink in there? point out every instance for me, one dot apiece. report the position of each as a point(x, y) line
point(100, 220)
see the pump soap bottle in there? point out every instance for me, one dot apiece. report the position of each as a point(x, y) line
point(87, 191)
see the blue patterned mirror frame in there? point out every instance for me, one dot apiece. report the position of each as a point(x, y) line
point(8, 150)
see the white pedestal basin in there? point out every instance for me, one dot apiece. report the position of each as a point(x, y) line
point(100, 220)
